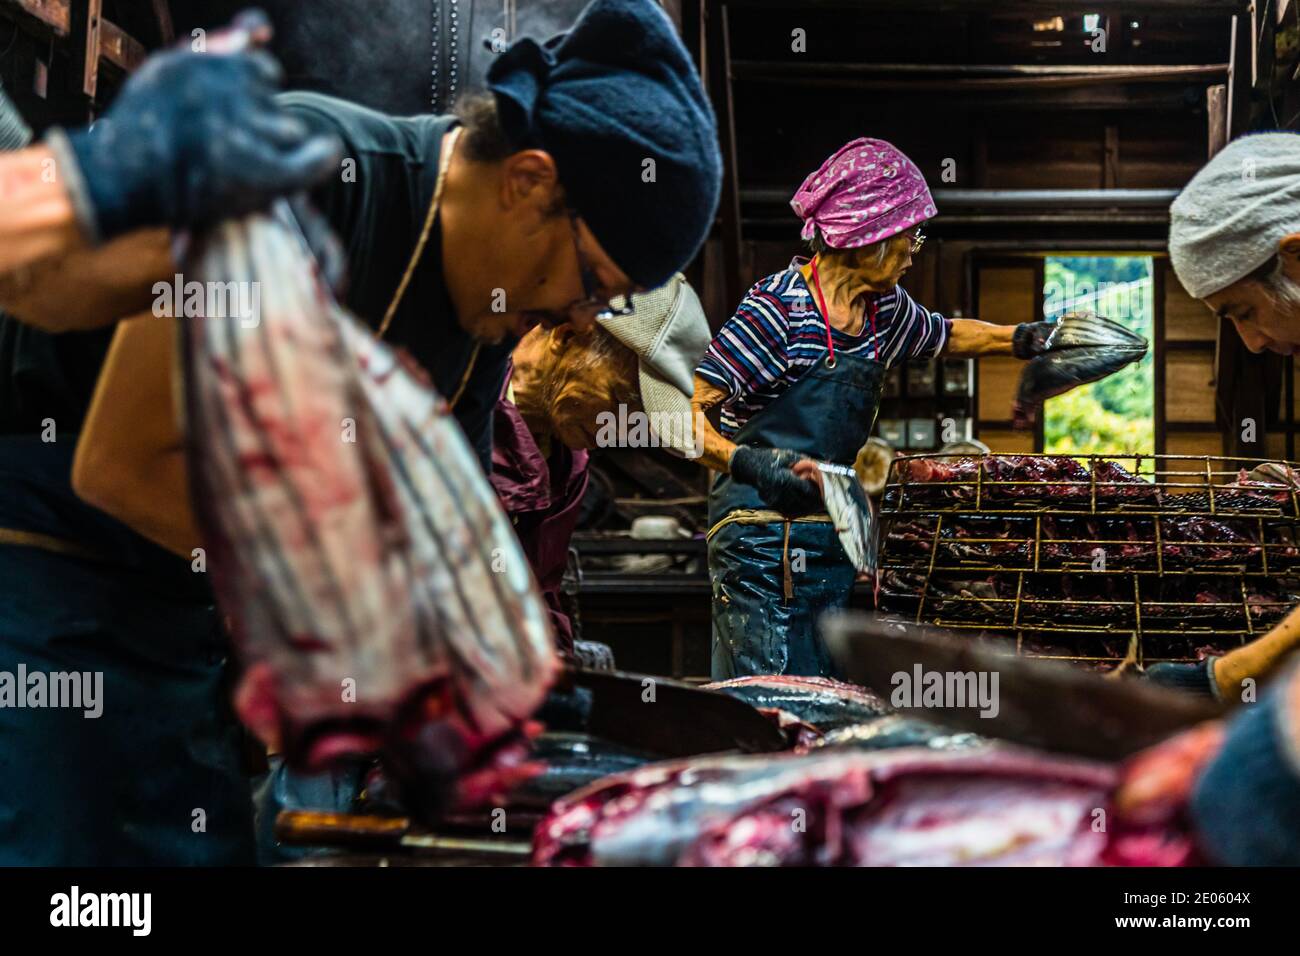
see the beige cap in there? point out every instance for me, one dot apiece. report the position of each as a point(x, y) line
point(669, 334)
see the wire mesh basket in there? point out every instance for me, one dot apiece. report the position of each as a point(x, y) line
point(1093, 558)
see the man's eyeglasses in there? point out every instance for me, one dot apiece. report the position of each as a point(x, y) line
point(918, 240)
point(592, 299)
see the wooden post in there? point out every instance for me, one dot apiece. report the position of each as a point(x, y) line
point(1241, 63)
point(1110, 158)
point(718, 44)
point(1159, 274)
point(64, 19)
point(692, 27)
point(85, 23)
point(1265, 46)
point(979, 148)
point(163, 14)
point(1216, 112)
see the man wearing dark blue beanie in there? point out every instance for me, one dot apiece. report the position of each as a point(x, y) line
point(587, 170)
point(616, 102)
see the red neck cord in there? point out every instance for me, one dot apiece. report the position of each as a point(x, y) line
point(826, 316)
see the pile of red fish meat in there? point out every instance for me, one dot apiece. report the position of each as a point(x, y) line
point(842, 806)
point(959, 546)
point(375, 589)
point(1053, 599)
point(1064, 482)
point(1187, 542)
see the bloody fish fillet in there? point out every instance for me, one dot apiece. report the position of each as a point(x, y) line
point(375, 588)
point(989, 805)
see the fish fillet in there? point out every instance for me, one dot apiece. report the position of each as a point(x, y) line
point(373, 584)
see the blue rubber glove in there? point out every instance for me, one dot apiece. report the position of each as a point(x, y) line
point(768, 470)
point(193, 138)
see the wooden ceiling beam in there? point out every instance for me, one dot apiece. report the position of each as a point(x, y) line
point(965, 78)
point(54, 17)
point(119, 48)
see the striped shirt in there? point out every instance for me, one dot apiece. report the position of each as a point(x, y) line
point(778, 333)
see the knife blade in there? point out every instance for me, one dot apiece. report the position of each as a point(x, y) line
point(670, 717)
point(1043, 704)
point(851, 514)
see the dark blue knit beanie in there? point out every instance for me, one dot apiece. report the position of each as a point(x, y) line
point(615, 91)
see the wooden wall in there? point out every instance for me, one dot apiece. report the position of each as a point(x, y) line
point(1189, 335)
point(1008, 292)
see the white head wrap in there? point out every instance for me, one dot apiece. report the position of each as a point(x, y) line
point(1229, 219)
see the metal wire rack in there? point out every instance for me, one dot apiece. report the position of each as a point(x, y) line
point(1093, 558)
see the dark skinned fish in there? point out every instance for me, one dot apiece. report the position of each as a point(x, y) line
point(570, 761)
point(896, 730)
point(1083, 348)
point(824, 703)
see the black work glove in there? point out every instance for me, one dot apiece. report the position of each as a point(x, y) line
point(768, 470)
point(191, 139)
point(1076, 330)
point(1032, 338)
point(1077, 348)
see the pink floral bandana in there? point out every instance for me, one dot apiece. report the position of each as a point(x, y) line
point(866, 192)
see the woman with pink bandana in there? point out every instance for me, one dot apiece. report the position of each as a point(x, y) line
point(797, 372)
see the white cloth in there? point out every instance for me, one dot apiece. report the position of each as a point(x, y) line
point(1228, 220)
point(669, 333)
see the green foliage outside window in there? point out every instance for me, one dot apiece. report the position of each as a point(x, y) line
point(1116, 415)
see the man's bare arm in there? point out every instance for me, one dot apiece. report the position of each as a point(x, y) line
point(89, 288)
point(50, 277)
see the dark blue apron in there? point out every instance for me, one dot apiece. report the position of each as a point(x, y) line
point(156, 778)
point(772, 581)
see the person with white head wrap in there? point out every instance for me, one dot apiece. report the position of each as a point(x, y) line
point(1234, 239)
point(627, 382)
